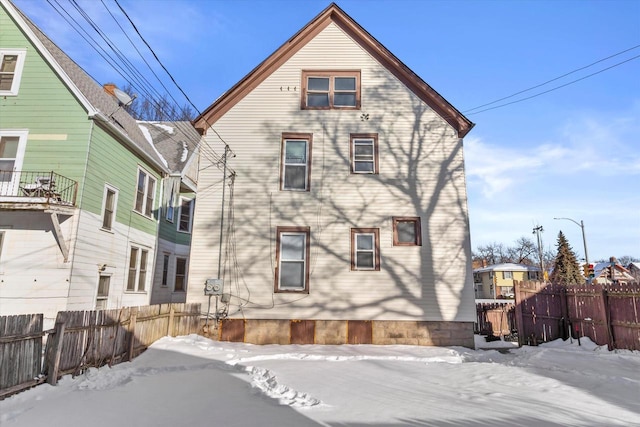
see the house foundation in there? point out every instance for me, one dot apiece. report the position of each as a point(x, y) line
point(335, 332)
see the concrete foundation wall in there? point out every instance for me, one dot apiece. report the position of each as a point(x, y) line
point(336, 332)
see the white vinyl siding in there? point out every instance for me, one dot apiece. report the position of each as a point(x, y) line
point(415, 283)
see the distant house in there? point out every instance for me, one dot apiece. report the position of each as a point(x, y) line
point(345, 215)
point(80, 185)
point(634, 270)
point(497, 281)
point(177, 142)
point(611, 272)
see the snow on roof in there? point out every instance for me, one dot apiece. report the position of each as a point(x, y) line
point(507, 266)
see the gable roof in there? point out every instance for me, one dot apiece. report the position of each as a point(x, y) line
point(176, 141)
point(99, 105)
point(333, 14)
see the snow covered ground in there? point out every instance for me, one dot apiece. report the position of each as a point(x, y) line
point(195, 381)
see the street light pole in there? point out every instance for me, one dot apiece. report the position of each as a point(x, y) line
point(584, 238)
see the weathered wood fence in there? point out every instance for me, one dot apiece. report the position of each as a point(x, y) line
point(495, 318)
point(607, 314)
point(83, 339)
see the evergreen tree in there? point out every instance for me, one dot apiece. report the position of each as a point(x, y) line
point(566, 270)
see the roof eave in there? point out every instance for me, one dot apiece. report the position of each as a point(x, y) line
point(333, 13)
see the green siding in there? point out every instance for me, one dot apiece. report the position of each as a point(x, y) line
point(78, 148)
point(110, 162)
point(169, 230)
point(44, 106)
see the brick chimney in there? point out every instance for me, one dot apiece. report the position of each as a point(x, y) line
point(109, 87)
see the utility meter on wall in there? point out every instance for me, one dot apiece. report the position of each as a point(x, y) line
point(213, 287)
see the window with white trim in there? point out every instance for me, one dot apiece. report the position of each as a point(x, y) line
point(103, 292)
point(12, 147)
point(507, 275)
point(364, 153)
point(109, 204)
point(365, 249)
point(181, 275)
point(145, 193)
point(11, 64)
point(292, 259)
point(185, 215)
point(330, 90)
point(295, 172)
point(138, 260)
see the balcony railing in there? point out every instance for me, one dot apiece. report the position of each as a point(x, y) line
point(37, 187)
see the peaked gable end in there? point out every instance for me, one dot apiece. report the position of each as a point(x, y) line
point(333, 14)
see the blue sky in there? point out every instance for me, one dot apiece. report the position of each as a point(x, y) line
point(573, 152)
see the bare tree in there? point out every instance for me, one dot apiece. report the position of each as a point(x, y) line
point(162, 109)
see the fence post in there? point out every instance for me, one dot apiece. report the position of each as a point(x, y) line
point(604, 306)
point(132, 331)
point(517, 287)
point(54, 363)
point(170, 327)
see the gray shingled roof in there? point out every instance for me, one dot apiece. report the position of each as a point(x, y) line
point(95, 94)
point(176, 141)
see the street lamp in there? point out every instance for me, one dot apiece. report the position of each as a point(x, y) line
point(584, 239)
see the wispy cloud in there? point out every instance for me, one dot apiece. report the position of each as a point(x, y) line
point(587, 145)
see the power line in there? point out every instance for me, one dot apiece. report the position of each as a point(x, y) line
point(553, 80)
point(552, 89)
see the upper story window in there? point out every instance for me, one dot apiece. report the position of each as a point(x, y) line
point(12, 147)
point(170, 204)
point(295, 172)
point(110, 202)
point(11, 64)
point(507, 275)
point(145, 192)
point(364, 153)
point(407, 231)
point(185, 216)
point(323, 90)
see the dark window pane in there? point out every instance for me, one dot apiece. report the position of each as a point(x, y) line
point(318, 100)
point(364, 166)
point(292, 275)
point(296, 152)
point(9, 63)
point(344, 99)
point(365, 260)
point(364, 242)
point(345, 83)
point(295, 177)
point(318, 83)
point(292, 247)
point(364, 151)
point(406, 231)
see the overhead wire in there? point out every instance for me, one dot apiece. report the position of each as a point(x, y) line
point(469, 111)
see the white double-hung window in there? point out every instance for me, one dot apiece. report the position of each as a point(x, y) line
point(295, 173)
point(11, 64)
point(292, 255)
point(145, 193)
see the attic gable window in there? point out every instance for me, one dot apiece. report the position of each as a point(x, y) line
point(324, 90)
point(11, 64)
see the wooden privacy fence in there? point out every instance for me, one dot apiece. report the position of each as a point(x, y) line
point(607, 314)
point(83, 339)
point(495, 318)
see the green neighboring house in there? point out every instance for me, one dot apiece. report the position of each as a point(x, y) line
point(81, 186)
point(177, 142)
